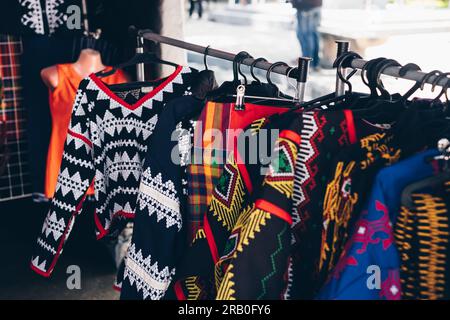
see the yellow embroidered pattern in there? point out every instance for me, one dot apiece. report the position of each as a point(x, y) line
point(281, 174)
point(249, 225)
point(423, 270)
point(257, 125)
point(229, 214)
point(337, 208)
point(378, 144)
point(218, 268)
point(226, 291)
point(193, 289)
point(199, 235)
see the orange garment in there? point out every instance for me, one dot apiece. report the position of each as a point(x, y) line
point(61, 101)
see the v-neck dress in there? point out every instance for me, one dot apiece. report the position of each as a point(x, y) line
point(106, 143)
point(61, 102)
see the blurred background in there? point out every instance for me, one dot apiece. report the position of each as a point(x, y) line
point(406, 30)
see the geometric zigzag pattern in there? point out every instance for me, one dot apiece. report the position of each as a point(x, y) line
point(160, 198)
point(107, 141)
point(146, 276)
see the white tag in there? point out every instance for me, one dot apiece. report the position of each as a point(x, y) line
point(146, 89)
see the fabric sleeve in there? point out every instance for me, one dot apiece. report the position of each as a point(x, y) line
point(74, 179)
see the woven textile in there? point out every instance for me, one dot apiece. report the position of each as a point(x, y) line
point(210, 153)
point(106, 143)
point(371, 241)
point(15, 180)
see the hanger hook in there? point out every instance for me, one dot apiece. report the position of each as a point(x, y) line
point(438, 79)
point(269, 71)
point(444, 88)
point(252, 66)
point(247, 55)
point(402, 72)
point(383, 65)
point(365, 70)
point(236, 59)
point(205, 54)
point(341, 62)
point(427, 76)
point(236, 65)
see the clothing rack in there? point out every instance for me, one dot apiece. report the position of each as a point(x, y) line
point(409, 75)
point(297, 73)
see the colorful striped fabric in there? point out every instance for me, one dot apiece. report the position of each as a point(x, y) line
point(210, 153)
point(206, 166)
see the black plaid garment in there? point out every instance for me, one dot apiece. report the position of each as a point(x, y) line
point(14, 178)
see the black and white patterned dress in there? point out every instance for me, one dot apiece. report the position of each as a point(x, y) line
point(159, 237)
point(106, 143)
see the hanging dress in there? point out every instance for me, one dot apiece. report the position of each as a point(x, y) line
point(61, 101)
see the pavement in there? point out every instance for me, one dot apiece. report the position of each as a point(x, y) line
point(21, 223)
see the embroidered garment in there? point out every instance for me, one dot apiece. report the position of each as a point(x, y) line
point(372, 239)
point(323, 136)
point(422, 235)
point(107, 140)
point(42, 17)
point(254, 262)
point(214, 132)
point(158, 237)
point(347, 191)
point(232, 194)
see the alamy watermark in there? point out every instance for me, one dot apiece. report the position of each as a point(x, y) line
point(374, 280)
point(73, 281)
point(214, 147)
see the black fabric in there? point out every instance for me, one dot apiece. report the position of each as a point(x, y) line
point(159, 230)
point(37, 17)
point(305, 5)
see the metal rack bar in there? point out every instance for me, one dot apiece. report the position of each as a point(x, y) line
point(409, 75)
point(151, 36)
point(355, 63)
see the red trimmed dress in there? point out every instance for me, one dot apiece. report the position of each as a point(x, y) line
point(253, 201)
point(106, 143)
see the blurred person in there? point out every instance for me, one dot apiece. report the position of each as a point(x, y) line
point(308, 21)
point(199, 8)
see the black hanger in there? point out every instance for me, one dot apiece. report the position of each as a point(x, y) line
point(403, 70)
point(444, 88)
point(252, 67)
point(343, 61)
point(380, 67)
point(269, 73)
point(383, 107)
point(228, 88)
point(239, 62)
point(269, 93)
point(138, 58)
point(205, 54)
point(371, 73)
point(256, 87)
